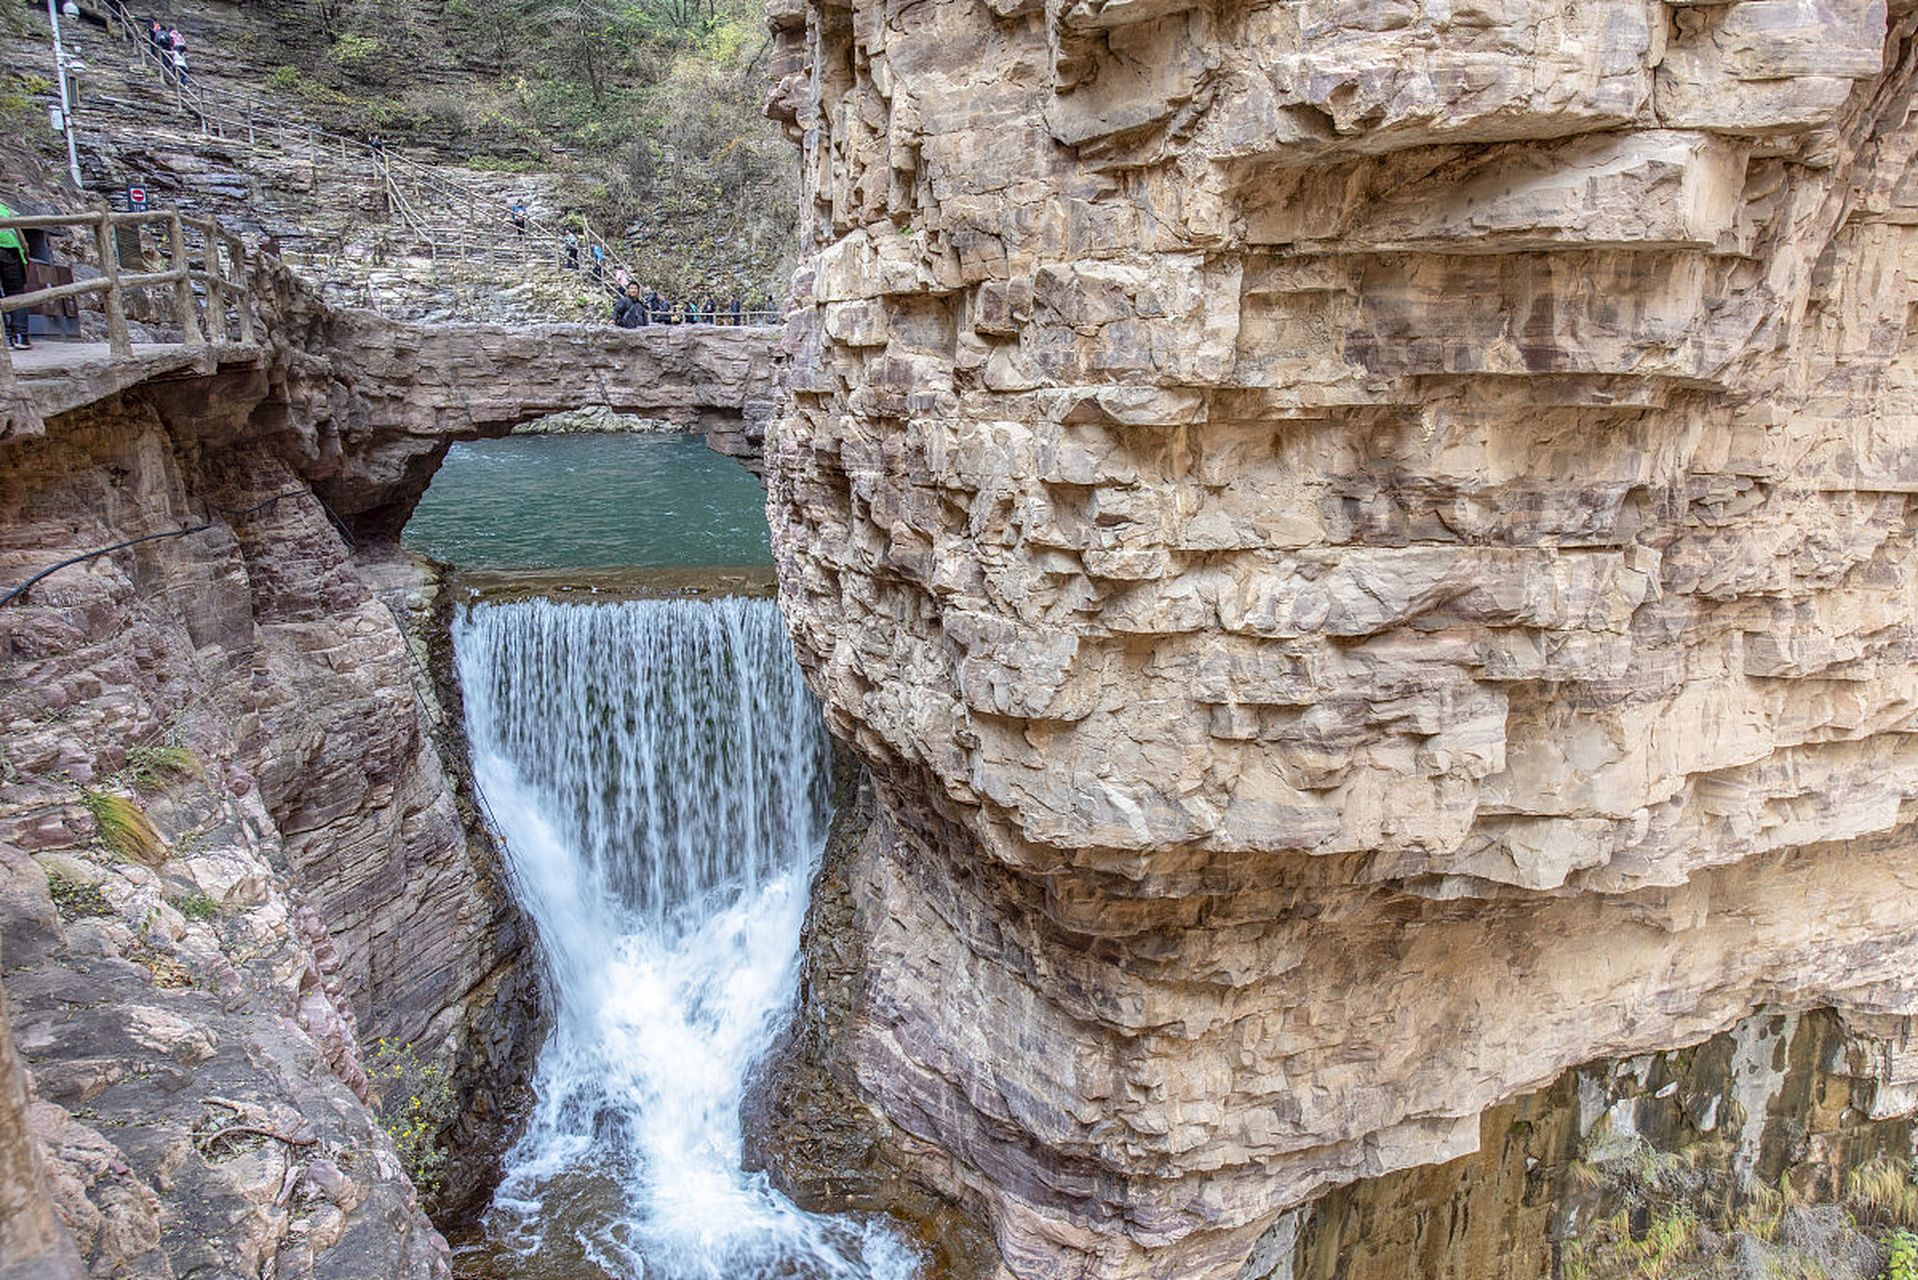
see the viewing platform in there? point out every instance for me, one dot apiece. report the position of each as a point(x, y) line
point(189, 279)
point(56, 377)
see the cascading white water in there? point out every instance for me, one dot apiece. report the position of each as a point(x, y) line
point(659, 771)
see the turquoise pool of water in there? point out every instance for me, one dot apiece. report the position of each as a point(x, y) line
point(591, 502)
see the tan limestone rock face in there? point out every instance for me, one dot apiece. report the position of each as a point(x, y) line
point(1368, 548)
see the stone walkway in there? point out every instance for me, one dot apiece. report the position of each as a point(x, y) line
point(52, 358)
point(56, 376)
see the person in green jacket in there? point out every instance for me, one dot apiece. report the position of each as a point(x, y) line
point(13, 279)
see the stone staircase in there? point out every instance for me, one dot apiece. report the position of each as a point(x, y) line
point(366, 226)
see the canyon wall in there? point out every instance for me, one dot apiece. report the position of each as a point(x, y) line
point(1368, 548)
point(237, 871)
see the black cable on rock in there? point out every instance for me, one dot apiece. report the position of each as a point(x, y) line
point(202, 527)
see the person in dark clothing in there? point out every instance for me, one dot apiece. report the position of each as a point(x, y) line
point(13, 280)
point(519, 217)
point(629, 312)
point(571, 248)
point(656, 307)
point(738, 310)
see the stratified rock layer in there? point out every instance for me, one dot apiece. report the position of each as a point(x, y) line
point(191, 1006)
point(1369, 549)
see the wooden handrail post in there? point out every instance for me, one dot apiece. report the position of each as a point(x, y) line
point(183, 284)
point(245, 306)
point(119, 342)
point(215, 291)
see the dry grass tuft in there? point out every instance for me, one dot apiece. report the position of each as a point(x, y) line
point(124, 827)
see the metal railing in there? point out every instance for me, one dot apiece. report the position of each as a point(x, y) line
point(201, 313)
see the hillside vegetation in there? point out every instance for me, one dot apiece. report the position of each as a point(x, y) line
point(648, 110)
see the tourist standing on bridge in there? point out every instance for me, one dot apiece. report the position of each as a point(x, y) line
point(630, 311)
point(13, 280)
point(738, 310)
point(519, 217)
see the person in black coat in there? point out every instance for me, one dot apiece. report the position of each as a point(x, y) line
point(629, 312)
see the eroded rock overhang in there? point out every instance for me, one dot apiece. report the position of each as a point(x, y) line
point(1368, 549)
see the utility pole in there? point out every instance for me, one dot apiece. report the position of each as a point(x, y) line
point(66, 104)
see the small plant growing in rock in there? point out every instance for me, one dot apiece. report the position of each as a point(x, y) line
point(1669, 1239)
point(1764, 1209)
point(74, 898)
point(1882, 1191)
point(168, 973)
point(197, 906)
point(1901, 1256)
point(415, 1103)
point(152, 767)
point(124, 827)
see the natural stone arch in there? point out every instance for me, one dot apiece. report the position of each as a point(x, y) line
point(394, 397)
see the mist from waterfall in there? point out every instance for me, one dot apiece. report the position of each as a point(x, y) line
point(659, 771)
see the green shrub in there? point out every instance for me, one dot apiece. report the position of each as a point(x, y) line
point(197, 906)
point(74, 898)
point(1670, 1238)
point(151, 767)
point(124, 827)
point(1901, 1256)
point(355, 52)
point(415, 1101)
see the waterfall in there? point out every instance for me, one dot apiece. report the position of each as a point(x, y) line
point(659, 773)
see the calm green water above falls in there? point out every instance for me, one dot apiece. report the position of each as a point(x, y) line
point(591, 502)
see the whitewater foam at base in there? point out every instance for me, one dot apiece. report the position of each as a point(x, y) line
point(660, 775)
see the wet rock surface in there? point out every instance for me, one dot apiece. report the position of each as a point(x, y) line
point(1367, 550)
point(804, 1121)
point(1745, 1150)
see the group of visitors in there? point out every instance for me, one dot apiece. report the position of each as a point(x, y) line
point(631, 310)
point(632, 305)
point(170, 47)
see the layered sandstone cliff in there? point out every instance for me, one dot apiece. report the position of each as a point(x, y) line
point(1369, 549)
point(233, 857)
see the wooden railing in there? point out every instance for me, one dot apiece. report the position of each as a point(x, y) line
point(201, 295)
